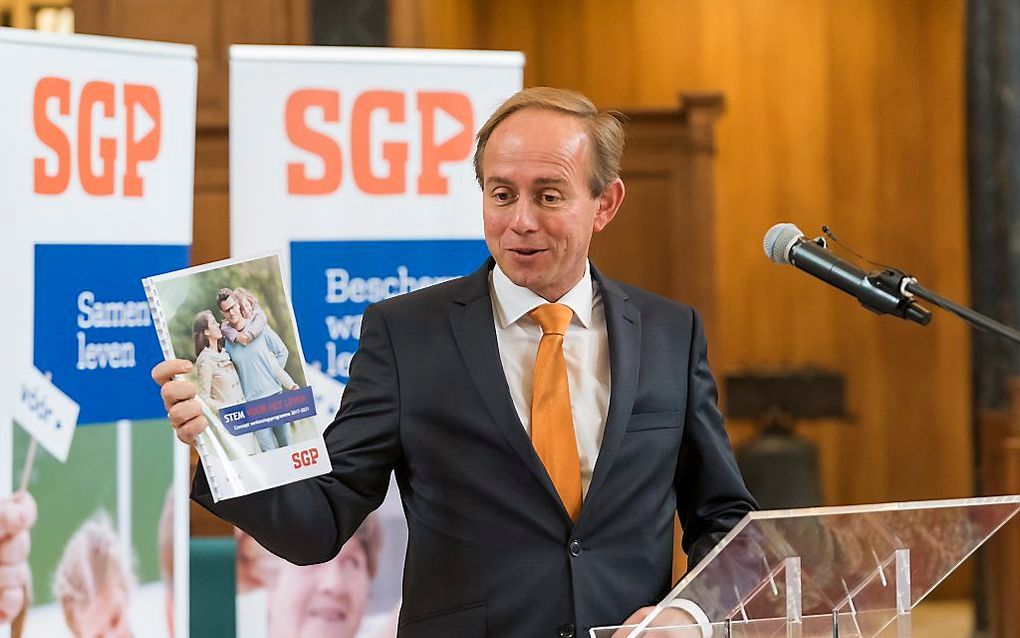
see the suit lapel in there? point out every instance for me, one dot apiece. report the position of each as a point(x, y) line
point(475, 334)
point(623, 325)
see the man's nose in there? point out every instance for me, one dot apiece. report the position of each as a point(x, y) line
point(525, 216)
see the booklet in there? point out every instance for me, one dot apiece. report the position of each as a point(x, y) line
point(234, 321)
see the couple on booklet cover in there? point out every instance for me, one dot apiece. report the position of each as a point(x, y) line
point(240, 360)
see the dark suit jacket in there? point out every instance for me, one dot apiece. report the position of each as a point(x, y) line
point(491, 549)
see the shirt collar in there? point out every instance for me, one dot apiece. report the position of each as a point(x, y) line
point(513, 302)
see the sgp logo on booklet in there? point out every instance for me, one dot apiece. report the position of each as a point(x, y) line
point(304, 458)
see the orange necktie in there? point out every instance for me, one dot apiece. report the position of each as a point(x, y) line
point(552, 423)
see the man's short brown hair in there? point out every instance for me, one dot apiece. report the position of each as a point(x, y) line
point(605, 130)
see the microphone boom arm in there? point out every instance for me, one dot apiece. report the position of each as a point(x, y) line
point(974, 318)
point(887, 291)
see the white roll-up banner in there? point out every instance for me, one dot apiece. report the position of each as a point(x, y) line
point(355, 163)
point(96, 176)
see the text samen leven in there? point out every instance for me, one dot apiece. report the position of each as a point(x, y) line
point(94, 314)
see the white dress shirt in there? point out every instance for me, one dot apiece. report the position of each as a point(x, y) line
point(585, 347)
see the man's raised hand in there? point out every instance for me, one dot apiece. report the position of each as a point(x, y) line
point(182, 408)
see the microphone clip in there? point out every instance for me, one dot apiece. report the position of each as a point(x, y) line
point(895, 283)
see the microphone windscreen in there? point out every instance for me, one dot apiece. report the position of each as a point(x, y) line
point(779, 240)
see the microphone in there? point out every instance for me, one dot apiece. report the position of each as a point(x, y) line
point(882, 291)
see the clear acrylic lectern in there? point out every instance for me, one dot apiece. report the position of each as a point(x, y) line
point(828, 571)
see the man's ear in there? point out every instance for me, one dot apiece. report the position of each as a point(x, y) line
point(609, 203)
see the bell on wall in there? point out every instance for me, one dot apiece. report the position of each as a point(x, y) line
point(780, 467)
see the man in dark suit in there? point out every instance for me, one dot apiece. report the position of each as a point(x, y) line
point(541, 448)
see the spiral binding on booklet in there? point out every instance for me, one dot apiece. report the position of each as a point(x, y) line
point(202, 443)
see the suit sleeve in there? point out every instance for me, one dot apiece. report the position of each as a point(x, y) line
point(711, 495)
point(308, 521)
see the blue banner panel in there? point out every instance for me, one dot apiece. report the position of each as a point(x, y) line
point(269, 412)
point(93, 330)
point(332, 282)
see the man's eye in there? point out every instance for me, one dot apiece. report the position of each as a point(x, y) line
point(502, 196)
point(550, 198)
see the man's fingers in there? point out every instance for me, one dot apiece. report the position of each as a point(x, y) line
point(174, 392)
point(633, 619)
point(184, 411)
point(188, 432)
point(15, 549)
point(167, 370)
point(624, 633)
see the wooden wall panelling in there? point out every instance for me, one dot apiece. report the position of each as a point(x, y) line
point(1000, 454)
point(443, 24)
point(994, 426)
point(211, 227)
point(1008, 543)
point(19, 12)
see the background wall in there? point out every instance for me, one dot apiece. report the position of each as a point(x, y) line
point(849, 114)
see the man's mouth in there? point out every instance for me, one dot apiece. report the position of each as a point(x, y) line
point(527, 251)
point(328, 613)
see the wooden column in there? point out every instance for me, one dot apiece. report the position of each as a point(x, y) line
point(663, 239)
point(1000, 460)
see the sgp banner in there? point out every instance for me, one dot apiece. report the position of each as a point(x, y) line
point(96, 177)
point(356, 163)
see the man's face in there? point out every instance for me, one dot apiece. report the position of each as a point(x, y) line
point(538, 210)
point(232, 312)
point(321, 600)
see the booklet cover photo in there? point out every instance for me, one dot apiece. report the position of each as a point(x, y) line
point(232, 319)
